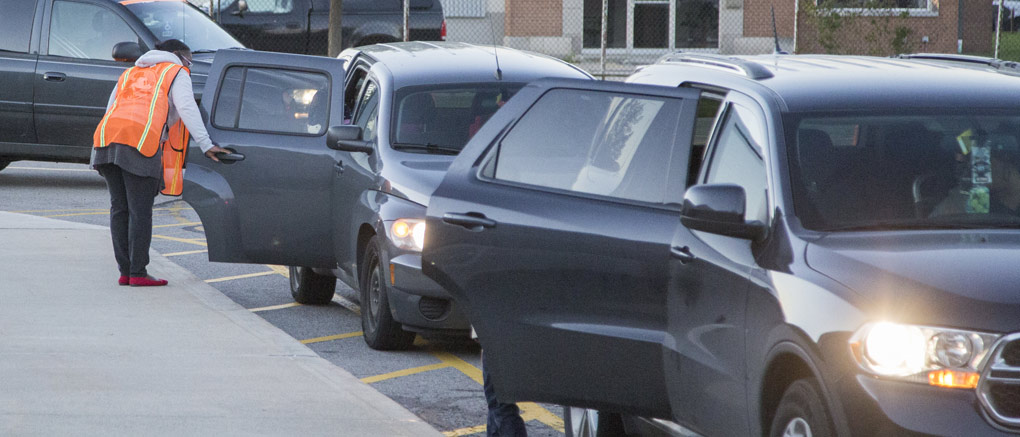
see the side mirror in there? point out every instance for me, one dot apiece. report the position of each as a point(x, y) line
point(127, 52)
point(242, 7)
point(347, 138)
point(719, 209)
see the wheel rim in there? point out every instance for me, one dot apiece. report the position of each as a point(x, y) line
point(295, 278)
point(584, 422)
point(374, 293)
point(797, 427)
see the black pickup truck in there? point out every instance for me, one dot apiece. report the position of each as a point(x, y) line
point(302, 26)
point(58, 66)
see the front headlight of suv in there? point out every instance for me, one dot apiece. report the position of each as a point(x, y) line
point(940, 357)
point(408, 234)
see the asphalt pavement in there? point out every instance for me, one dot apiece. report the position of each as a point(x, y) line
point(80, 355)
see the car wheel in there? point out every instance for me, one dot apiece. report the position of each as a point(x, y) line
point(311, 288)
point(801, 412)
point(585, 422)
point(381, 331)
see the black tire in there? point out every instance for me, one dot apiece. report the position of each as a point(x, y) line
point(310, 288)
point(801, 412)
point(381, 331)
point(582, 422)
point(4, 163)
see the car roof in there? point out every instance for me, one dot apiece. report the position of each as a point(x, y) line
point(421, 63)
point(805, 83)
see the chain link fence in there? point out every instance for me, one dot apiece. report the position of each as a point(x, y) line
point(611, 38)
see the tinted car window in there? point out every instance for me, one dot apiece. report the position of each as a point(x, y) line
point(273, 100)
point(80, 30)
point(368, 112)
point(446, 115)
point(737, 159)
point(599, 143)
point(955, 168)
point(16, 25)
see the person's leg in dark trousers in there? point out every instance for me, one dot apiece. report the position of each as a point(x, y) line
point(504, 419)
point(119, 216)
point(141, 194)
point(131, 199)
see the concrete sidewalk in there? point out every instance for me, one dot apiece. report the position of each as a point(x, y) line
point(80, 355)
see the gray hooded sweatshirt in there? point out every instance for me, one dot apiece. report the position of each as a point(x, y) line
point(182, 107)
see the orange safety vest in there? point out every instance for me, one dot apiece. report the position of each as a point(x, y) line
point(138, 116)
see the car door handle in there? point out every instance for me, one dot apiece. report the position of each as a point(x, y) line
point(472, 220)
point(682, 254)
point(230, 156)
point(54, 76)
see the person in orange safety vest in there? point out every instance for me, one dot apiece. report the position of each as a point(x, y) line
point(139, 148)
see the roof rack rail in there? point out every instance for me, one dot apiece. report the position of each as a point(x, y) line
point(751, 69)
point(998, 64)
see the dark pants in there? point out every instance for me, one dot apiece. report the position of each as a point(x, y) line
point(131, 199)
point(504, 419)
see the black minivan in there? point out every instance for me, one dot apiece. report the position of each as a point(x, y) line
point(773, 245)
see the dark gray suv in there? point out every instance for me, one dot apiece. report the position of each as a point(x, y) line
point(772, 245)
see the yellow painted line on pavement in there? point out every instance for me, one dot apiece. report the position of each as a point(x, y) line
point(187, 252)
point(172, 225)
point(181, 240)
point(332, 337)
point(280, 270)
point(342, 301)
point(405, 372)
point(51, 169)
point(529, 410)
point(466, 431)
point(231, 278)
point(275, 307)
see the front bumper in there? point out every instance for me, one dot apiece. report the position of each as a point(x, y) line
point(419, 303)
point(894, 408)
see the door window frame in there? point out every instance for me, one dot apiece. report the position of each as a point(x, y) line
point(672, 179)
point(240, 99)
point(671, 45)
point(47, 23)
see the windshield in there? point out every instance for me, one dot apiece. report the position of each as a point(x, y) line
point(953, 169)
point(179, 20)
point(445, 116)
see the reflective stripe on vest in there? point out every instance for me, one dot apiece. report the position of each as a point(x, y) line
point(138, 116)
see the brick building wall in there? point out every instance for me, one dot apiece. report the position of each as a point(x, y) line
point(534, 18)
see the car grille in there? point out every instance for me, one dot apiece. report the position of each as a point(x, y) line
point(999, 386)
point(432, 308)
point(1011, 353)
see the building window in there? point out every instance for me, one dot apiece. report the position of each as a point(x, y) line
point(653, 24)
point(883, 7)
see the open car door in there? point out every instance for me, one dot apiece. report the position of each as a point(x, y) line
point(552, 230)
point(272, 206)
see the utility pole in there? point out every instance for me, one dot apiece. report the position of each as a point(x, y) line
point(335, 28)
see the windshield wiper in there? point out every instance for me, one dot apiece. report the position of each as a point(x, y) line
point(199, 51)
point(428, 147)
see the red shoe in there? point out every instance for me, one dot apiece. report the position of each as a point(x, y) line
point(124, 280)
point(147, 281)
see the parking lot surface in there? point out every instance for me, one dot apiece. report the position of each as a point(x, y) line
point(438, 379)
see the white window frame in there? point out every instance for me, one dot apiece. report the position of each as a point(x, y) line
point(931, 10)
point(629, 49)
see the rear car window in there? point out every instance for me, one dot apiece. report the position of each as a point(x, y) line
point(273, 100)
point(446, 115)
point(601, 143)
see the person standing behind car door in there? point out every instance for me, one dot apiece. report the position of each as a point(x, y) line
point(128, 144)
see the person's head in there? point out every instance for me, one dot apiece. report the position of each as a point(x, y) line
point(178, 48)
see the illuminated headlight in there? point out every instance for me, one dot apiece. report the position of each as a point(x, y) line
point(408, 234)
point(936, 356)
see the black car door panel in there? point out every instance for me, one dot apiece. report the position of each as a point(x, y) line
point(275, 205)
point(557, 241)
